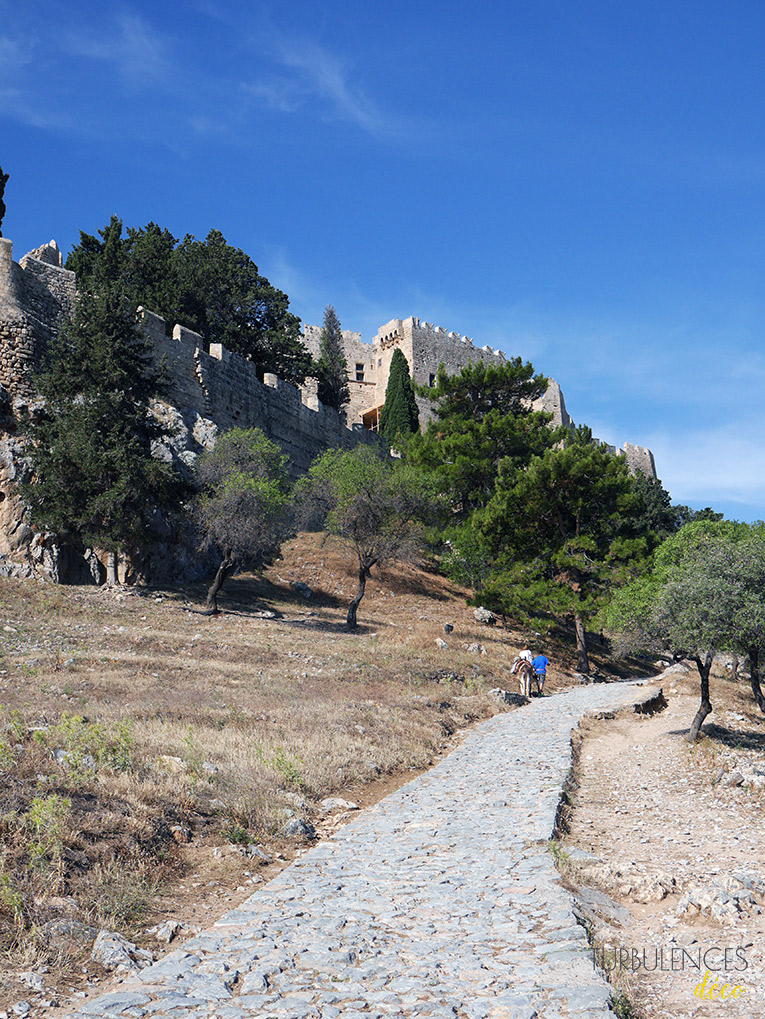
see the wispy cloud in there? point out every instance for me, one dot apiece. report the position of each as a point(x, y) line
point(315, 75)
point(130, 45)
point(13, 57)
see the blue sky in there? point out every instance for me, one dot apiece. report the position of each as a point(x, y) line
point(580, 183)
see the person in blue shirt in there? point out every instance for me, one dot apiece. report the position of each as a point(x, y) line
point(539, 664)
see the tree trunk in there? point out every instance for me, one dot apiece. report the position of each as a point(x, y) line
point(224, 570)
point(705, 708)
point(734, 667)
point(583, 662)
point(112, 580)
point(351, 618)
point(754, 666)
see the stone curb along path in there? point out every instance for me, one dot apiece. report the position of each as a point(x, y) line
point(442, 900)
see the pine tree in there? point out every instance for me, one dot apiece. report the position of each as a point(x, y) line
point(95, 479)
point(332, 367)
point(399, 416)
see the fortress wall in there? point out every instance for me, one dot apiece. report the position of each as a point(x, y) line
point(552, 402)
point(35, 296)
point(432, 345)
point(640, 459)
point(223, 387)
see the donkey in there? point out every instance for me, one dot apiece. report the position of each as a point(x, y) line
point(525, 675)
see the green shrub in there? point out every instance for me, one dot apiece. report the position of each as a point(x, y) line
point(46, 820)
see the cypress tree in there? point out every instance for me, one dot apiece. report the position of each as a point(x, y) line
point(332, 371)
point(96, 481)
point(399, 415)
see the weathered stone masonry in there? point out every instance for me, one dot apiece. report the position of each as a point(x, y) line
point(222, 390)
point(209, 391)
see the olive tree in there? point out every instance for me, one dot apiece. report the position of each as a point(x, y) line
point(375, 507)
point(704, 593)
point(243, 505)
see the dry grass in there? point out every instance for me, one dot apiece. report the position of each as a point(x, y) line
point(182, 731)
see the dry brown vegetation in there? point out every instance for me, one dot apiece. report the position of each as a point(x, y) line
point(141, 742)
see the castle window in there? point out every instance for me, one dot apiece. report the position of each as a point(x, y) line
point(359, 372)
point(379, 362)
point(431, 380)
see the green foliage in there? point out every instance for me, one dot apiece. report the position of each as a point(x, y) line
point(208, 286)
point(46, 821)
point(106, 746)
point(399, 417)
point(243, 503)
point(286, 766)
point(90, 451)
point(237, 836)
point(332, 368)
point(11, 899)
point(705, 589)
point(483, 420)
point(562, 533)
point(376, 507)
point(3, 181)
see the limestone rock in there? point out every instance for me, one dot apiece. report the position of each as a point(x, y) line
point(168, 930)
point(441, 644)
point(112, 951)
point(483, 615)
point(336, 803)
point(302, 589)
point(34, 981)
point(297, 827)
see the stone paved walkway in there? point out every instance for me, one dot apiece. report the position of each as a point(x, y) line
point(441, 900)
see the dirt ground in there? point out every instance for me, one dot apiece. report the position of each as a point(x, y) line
point(673, 833)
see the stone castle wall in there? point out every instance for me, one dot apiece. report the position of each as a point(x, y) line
point(213, 389)
point(222, 388)
point(35, 295)
point(213, 386)
point(426, 347)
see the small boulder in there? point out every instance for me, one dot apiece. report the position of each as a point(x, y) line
point(255, 853)
point(336, 803)
point(483, 615)
point(33, 981)
point(112, 951)
point(448, 628)
point(297, 827)
point(441, 644)
point(302, 589)
point(165, 932)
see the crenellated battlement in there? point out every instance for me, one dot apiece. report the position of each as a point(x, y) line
point(219, 388)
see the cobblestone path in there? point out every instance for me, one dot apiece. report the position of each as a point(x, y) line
point(441, 900)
